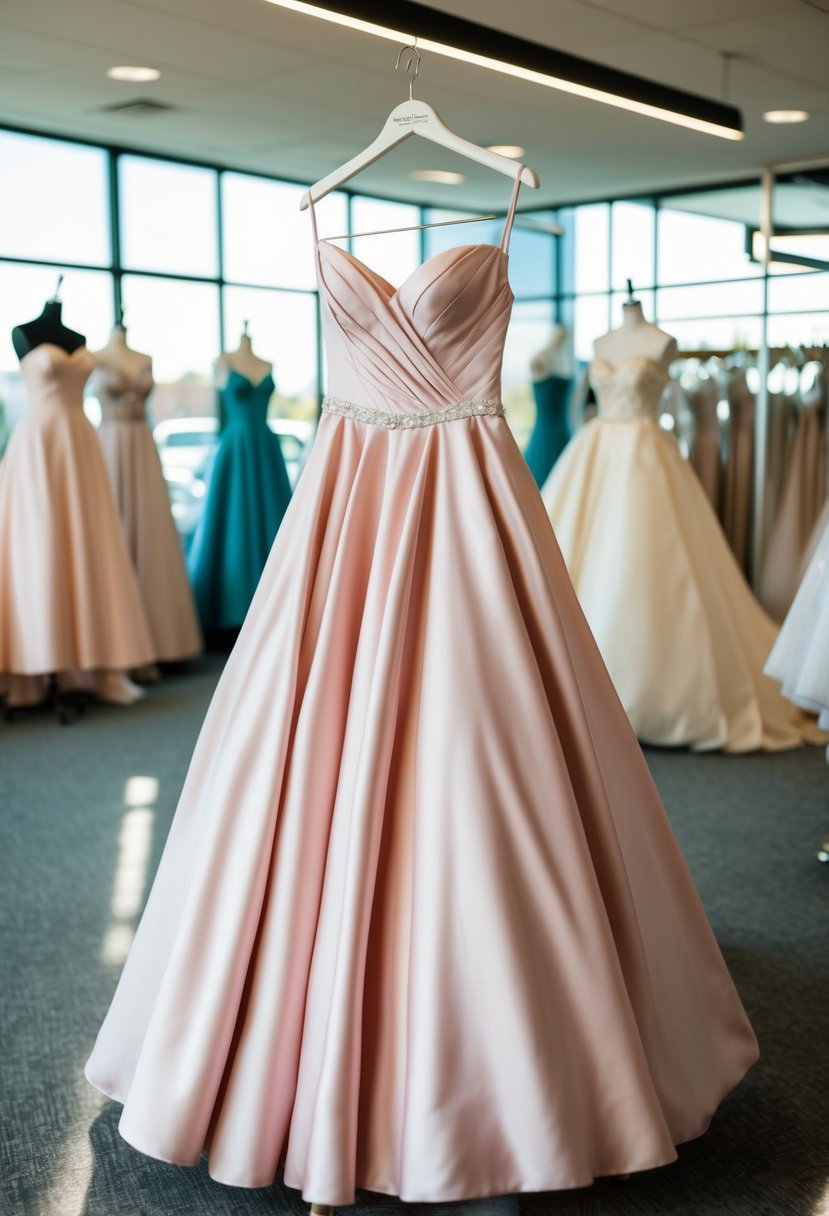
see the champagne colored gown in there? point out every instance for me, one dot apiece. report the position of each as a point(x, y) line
point(421, 925)
point(682, 635)
point(137, 481)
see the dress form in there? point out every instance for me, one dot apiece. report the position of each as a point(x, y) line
point(48, 327)
point(118, 356)
point(636, 338)
point(243, 361)
point(554, 357)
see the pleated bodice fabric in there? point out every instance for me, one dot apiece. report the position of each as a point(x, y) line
point(421, 925)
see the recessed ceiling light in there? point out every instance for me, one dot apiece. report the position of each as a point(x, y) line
point(786, 116)
point(444, 176)
point(135, 75)
point(513, 151)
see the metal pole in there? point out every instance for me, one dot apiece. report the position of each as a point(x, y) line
point(761, 421)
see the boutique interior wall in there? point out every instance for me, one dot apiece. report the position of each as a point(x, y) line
point(190, 252)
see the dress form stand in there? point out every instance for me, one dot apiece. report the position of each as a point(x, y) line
point(75, 626)
point(636, 338)
point(243, 361)
point(123, 382)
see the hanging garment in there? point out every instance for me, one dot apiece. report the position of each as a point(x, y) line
point(706, 446)
point(551, 432)
point(137, 481)
point(801, 501)
point(247, 494)
point(683, 638)
point(416, 798)
point(800, 658)
point(738, 488)
point(70, 606)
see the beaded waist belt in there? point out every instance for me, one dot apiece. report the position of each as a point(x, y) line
point(405, 422)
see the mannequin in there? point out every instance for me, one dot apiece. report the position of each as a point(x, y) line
point(636, 338)
point(683, 638)
point(48, 327)
point(242, 361)
point(123, 381)
point(551, 374)
point(118, 356)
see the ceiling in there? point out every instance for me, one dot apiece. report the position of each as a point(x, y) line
point(258, 87)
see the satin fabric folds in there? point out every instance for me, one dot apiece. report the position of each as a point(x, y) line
point(421, 925)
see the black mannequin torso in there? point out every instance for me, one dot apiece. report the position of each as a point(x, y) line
point(48, 327)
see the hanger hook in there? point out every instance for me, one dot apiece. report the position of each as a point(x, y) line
point(56, 295)
point(412, 60)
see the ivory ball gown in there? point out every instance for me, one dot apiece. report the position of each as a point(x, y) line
point(421, 925)
point(138, 485)
point(69, 600)
point(682, 635)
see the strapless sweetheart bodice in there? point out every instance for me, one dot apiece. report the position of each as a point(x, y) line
point(435, 343)
point(629, 390)
point(123, 398)
point(55, 377)
point(246, 403)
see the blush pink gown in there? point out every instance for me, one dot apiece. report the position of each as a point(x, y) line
point(421, 925)
point(69, 600)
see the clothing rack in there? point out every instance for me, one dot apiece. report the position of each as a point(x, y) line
point(775, 352)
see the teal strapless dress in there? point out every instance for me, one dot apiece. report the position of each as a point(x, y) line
point(247, 495)
point(551, 432)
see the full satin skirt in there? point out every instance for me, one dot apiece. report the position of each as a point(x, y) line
point(800, 658)
point(247, 495)
point(69, 599)
point(421, 925)
point(683, 638)
point(138, 485)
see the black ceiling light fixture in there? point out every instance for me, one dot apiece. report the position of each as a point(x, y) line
point(456, 38)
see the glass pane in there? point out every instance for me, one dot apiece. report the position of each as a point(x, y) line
point(633, 240)
point(53, 200)
point(722, 300)
point(87, 308)
point(529, 330)
point(168, 217)
point(267, 239)
point(590, 321)
point(591, 235)
point(178, 324)
point(394, 255)
point(799, 293)
point(532, 258)
point(796, 329)
point(283, 329)
point(486, 232)
point(725, 333)
point(699, 248)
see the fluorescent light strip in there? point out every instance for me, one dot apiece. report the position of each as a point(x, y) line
point(511, 69)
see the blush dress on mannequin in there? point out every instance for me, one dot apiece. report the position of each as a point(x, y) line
point(248, 492)
point(683, 638)
point(70, 606)
point(382, 948)
point(140, 491)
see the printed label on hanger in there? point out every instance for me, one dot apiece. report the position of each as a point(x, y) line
point(408, 120)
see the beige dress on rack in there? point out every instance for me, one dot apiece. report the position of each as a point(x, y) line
point(738, 488)
point(706, 453)
point(801, 502)
point(140, 491)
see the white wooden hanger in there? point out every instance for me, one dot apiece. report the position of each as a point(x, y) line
point(416, 118)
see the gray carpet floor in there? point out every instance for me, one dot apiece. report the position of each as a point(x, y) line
point(748, 827)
